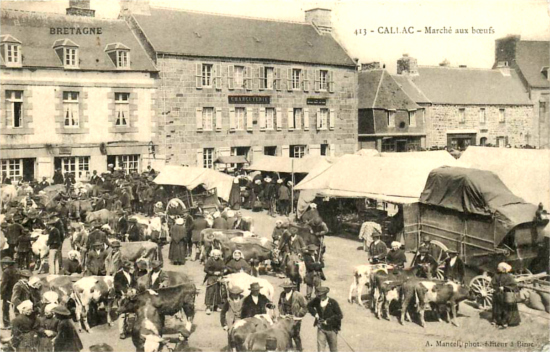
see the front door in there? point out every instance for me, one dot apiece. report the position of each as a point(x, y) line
point(401, 145)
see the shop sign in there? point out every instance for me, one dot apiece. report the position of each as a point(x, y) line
point(316, 101)
point(249, 99)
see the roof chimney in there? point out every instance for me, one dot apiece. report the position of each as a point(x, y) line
point(320, 19)
point(135, 7)
point(445, 63)
point(80, 8)
point(407, 65)
point(370, 66)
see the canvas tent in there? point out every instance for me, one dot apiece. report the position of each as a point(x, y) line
point(526, 172)
point(288, 165)
point(191, 177)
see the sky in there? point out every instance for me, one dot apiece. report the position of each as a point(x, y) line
point(364, 27)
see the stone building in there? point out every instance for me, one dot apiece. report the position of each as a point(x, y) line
point(469, 106)
point(247, 87)
point(389, 120)
point(531, 60)
point(76, 94)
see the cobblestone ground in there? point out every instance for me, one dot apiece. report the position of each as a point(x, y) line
point(361, 331)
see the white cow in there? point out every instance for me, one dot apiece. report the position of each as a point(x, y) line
point(93, 289)
point(243, 281)
point(363, 275)
point(40, 248)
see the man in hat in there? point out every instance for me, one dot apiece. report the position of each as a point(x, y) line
point(290, 242)
point(134, 234)
point(377, 250)
point(219, 222)
point(328, 319)
point(122, 224)
point(14, 230)
point(214, 271)
point(147, 195)
point(239, 223)
point(55, 242)
point(43, 184)
point(57, 177)
point(427, 263)
point(157, 278)
point(283, 196)
point(9, 279)
point(314, 268)
point(24, 250)
point(113, 261)
point(454, 267)
point(95, 263)
point(97, 235)
point(95, 179)
point(291, 302)
point(269, 195)
point(396, 256)
point(199, 224)
point(231, 312)
point(255, 303)
point(123, 281)
point(27, 288)
point(433, 250)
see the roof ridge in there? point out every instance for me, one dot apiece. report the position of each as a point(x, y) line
point(229, 15)
point(55, 14)
point(403, 90)
point(378, 89)
point(458, 68)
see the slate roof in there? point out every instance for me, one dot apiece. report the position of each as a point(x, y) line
point(469, 86)
point(531, 57)
point(33, 30)
point(208, 35)
point(378, 90)
point(411, 89)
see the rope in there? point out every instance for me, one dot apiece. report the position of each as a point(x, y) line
point(343, 339)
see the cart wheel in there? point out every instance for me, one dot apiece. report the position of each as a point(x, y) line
point(439, 252)
point(481, 286)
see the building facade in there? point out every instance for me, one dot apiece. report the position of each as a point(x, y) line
point(530, 59)
point(248, 87)
point(77, 94)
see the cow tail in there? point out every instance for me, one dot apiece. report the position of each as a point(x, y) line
point(416, 299)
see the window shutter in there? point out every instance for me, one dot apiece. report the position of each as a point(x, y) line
point(306, 80)
point(198, 76)
point(198, 116)
point(319, 119)
point(278, 79)
point(256, 74)
point(330, 81)
point(218, 73)
point(332, 149)
point(262, 119)
point(248, 80)
point(200, 162)
point(249, 119)
point(218, 119)
point(332, 118)
point(289, 79)
point(306, 119)
point(317, 80)
point(286, 150)
point(290, 117)
point(231, 77)
point(261, 75)
point(232, 124)
point(279, 117)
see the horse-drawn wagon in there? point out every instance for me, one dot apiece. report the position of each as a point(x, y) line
point(472, 212)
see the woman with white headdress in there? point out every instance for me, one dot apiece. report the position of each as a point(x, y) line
point(23, 328)
point(214, 270)
point(46, 327)
point(505, 308)
point(178, 245)
point(238, 264)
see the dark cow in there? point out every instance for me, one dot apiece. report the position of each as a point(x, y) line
point(280, 331)
point(244, 327)
point(295, 269)
point(133, 251)
point(436, 293)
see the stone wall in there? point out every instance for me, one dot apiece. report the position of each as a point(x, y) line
point(442, 119)
point(178, 99)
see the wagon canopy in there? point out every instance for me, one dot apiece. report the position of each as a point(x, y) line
point(191, 177)
point(473, 191)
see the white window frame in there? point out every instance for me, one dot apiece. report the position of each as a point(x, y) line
point(412, 118)
point(238, 77)
point(12, 99)
point(270, 117)
point(461, 115)
point(78, 165)
point(299, 150)
point(482, 116)
point(269, 78)
point(391, 118)
point(13, 169)
point(296, 79)
point(502, 115)
point(122, 59)
point(208, 118)
point(72, 107)
point(298, 117)
point(323, 80)
point(240, 118)
point(12, 54)
point(208, 158)
point(324, 118)
point(70, 57)
point(128, 163)
point(207, 70)
point(122, 109)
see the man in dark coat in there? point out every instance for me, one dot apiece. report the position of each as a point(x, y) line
point(378, 249)
point(123, 281)
point(454, 267)
point(239, 223)
point(427, 262)
point(314, 269)
point(55, 242)
point(134, 234)
point(43, 184)
point(122, 223)
point(9, 279)
point(157, 278)
point(58, 177)
point(283, 196)
point(13, 232)
point(95, 263)
point(24, 250)
point(199, 224)
point(219, 222)
point(291, 302)
point(255, 303)
point(95, 179)
point(27, 288)
point(328, 319)
point(97, 235)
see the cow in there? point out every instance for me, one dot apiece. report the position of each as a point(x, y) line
point(244, 327)
point(79, 208)
point(90, 291)
point(134, 251)
point(243, 281)
point(8, 194)
point(222, 236)
point(255, 250)
point(363, 275)
point(437, 294)
point(39, 248)
point(104, 216)
point(280, 331)
point(295, 269)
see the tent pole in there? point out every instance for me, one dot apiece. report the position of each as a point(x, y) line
point(190, 197)
point(292, 193)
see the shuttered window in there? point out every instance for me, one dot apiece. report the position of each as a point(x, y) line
point(207, 119)
point(323, 80)
point(269, 118)
point(239, 77)
point(240, 118)
point(206, 76)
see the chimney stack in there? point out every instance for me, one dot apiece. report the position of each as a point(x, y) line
point(80, 8)
point(407, 66)
point(136, 7)
point(370, 66)
point(320, 19)
point(445, 63)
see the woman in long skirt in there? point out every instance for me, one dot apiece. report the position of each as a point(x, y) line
point(505, 314)
point(46, 327)
point(235, 195)
point(178, 237)
point(23, 328)
point(67, 339)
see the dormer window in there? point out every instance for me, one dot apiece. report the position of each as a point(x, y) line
point(11, 51)
point(119, 54)
point(544, 72)
point(67, 50)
